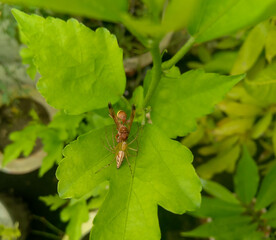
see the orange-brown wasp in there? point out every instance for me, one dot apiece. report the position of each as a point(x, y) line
point(123, 127)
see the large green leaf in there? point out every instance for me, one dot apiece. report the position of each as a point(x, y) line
point(251, 48)
point(246, 178)
point(267, 193)
point(162, 174)
point(100, 9)
point(216, 18)
point(180, 99)
point(263, 86)
point(81, 70)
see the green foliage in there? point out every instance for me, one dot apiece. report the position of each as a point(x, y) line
point(85, 85)
point(54, 202)
point(231, 219)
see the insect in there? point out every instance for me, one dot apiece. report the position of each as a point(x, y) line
point(123, 127)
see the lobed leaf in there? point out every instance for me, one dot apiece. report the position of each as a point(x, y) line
point(215, 18)
point(78, 66)
point(246, 178)
point(162, 174)
point(180, 99)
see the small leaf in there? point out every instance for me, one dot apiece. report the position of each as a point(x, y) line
point(78, 66)
point(53, 201)
point(163, 175)
point(180, 99)
point(263, 86)
point(218, 191)
point(261, 126)
point(267, 192)
point(239, 109)
point(225, 161)
point(103, 10)
point(270, 44)
point(270, 216)
point(214, 207)
point(251, 49)
point(215, 18)
point(246, 178)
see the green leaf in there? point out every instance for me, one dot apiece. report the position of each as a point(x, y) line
point(76, 213)
point(23, 142)
point(261, 126)
point(267, 192)
point(81, 70)
point(99, 9)
point(180, 99)
point(246, 178)
point(213, 207)
point(225, 161)
point(263, 86)
point(215, 18)
point(218, 191)
point(162, 174)
point(226, 228)
point(270, 44)
point(53, 201)
point(251, 49)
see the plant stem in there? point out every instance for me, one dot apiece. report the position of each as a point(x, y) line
point(156, 72)
point(180, 54)
point(48, 224)
point(45, 234)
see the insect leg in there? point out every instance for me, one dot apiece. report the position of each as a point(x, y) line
point(113, 115)
point(131, 117)
point(129, 165)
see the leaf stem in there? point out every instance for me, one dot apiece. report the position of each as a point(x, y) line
point(180, 54)
point(48, 224)
point(156, 72)
point(45, 234)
